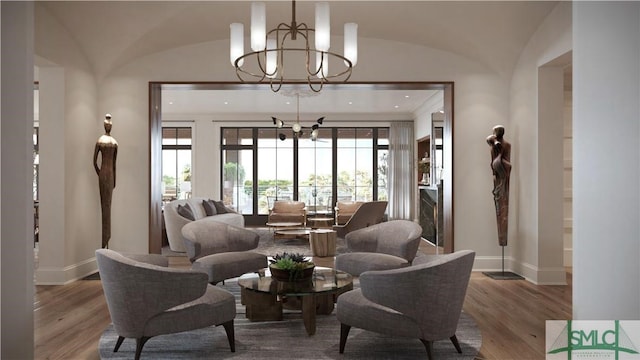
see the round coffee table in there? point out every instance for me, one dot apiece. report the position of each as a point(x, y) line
point(294, 233)
point(264, 296)
point(320, 222)
point(282, 225)
point(278, 225)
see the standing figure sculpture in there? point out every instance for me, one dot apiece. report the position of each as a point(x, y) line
point(107, 146)
point(501, 167)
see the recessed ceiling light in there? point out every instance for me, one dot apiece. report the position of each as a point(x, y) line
point(226, 103)
point(396, 106)
point(288, 103)
point(170, 102)
point(407, 96)
point(350, 102)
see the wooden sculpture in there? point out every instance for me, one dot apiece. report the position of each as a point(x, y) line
point(501, 167)
point(107, 146)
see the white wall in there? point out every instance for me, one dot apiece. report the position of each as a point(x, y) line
point(16, 210)
point(532, 248)
point(568, 176)
point(606, 153)
point(70, 201)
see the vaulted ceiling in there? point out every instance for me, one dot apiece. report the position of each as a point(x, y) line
point(113, 33)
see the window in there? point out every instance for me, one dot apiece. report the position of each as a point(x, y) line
point(176, 163)
point(344, 163)
point(382, 165)
point(315, 175)
point(237, 169)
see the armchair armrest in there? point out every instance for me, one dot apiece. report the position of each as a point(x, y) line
point(153, 259)
point(397, 289)
point(170, 287)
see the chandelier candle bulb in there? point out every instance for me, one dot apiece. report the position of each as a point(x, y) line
point(351, 43)
point(272, 59)
point(323, 26)
point(236, 41)
point(258, 26)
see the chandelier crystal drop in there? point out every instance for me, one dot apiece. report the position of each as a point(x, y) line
point(292, 53)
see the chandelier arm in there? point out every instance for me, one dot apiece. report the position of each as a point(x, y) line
point(240, 70)
point(276, 89)
point(260, 77)
point(310, 83)
point(315, 76)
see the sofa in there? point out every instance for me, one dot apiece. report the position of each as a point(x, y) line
point(175, 221)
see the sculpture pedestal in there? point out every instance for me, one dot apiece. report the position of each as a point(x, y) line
point(503, 275)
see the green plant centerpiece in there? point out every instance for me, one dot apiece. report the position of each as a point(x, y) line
point(291, 267)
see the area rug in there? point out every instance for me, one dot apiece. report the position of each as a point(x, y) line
point(287, 339)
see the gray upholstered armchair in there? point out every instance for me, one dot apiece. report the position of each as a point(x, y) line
point(147, 300)
point(220, 250)
point(423, 301)
point(388, 245)
point(367, 214)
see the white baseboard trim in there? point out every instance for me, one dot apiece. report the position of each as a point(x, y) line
point(568, 257)
point(538, 276)
point(67, 274)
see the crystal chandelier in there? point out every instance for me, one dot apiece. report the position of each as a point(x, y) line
point(268, 62)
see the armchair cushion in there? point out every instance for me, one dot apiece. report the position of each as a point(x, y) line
point(357, 263)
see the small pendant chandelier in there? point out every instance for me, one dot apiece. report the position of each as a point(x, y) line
point(297, 128)
point(266, 63)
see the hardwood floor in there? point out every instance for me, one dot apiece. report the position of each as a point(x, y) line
point(511, 315)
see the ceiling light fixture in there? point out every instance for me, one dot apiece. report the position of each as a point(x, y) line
point(270, 50)
point(297, 127)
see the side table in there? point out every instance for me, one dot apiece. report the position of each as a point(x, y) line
point(323, 242)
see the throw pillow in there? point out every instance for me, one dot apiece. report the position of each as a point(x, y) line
point(186, 212)
point(220, 208)
point(209, 207)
